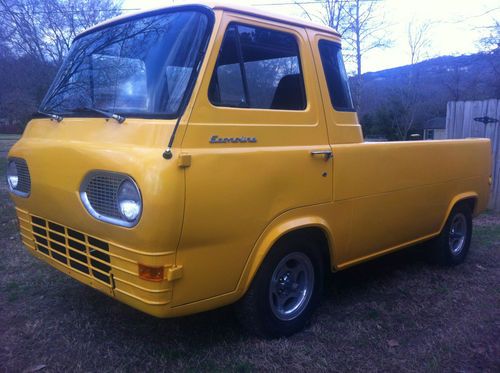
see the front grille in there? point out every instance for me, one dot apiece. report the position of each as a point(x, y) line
point(74, 249)
point(102, 190)
point(24, 180)
point(24, 184)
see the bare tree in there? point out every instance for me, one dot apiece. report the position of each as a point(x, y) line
point(44, 29)
point(491, 45)
point(418, 40)
point(491, 42)
point(407, 100)
point(409, 95)
point(362, 29)
point(459, 84)
point(367, 33)
point(35, 35)
point(336, 15)
point(367, 30)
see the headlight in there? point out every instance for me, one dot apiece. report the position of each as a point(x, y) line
point(18, 177)
point(129, 200)
point(12, 175)
point(112, 197)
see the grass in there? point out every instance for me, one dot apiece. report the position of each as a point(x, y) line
point(395, 314)
point(3, 168)
point(6, 142)
point(9, 137)
point(487, 235)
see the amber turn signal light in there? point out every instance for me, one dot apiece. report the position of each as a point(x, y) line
point(150, 273)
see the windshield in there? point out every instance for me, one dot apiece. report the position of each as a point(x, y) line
point(139, 67)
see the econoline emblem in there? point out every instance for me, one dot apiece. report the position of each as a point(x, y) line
point(221, 140)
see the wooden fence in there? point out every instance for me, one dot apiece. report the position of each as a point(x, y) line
point(478, 119)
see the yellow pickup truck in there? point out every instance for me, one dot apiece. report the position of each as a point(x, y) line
point(195, 156)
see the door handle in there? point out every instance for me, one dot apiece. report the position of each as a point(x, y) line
point(326, 154)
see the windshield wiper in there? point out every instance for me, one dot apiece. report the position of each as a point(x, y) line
point(107, 114)
point(52, 116)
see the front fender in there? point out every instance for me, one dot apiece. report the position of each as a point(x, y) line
point(285, 223)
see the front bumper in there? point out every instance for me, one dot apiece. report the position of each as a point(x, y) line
point(103, 265)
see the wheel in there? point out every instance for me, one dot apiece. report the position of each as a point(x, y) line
point(285, 290)
point(452, 245)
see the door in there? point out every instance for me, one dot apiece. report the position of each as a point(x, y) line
point(251, 135)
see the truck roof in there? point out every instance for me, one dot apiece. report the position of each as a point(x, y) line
point(252, 11)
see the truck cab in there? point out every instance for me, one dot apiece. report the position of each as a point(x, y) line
point(194, 156)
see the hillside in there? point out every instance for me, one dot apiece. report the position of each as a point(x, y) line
point(424, 88)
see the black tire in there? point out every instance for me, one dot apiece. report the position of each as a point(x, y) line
point(448, 249)
point(258, 310)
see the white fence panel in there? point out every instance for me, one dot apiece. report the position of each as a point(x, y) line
point(461, 122)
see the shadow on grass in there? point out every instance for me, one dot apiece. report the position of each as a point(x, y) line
point(385, 268)
point(106, 319)
point(115, 321)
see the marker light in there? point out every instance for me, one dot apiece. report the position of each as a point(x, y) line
point(150, 273)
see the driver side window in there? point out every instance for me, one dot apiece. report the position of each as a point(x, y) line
point(258, 68)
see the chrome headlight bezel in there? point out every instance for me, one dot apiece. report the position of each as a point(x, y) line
point(12, 175)
point(113, 214)
point(22, 185)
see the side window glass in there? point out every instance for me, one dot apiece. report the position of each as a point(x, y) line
point(336, 76)
point(258, 68)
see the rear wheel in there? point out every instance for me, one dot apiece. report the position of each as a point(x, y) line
point(452, 245)
point(285, 290)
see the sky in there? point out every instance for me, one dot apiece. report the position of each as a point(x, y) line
point(455, 25)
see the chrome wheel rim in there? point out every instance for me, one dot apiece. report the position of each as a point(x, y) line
point(458, 233)
point(291, 286)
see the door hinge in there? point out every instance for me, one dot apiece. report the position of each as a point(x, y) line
point(184, 160)
point(174, 273)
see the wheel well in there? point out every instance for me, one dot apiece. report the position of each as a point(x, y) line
point(470, 202)
point(311, 234)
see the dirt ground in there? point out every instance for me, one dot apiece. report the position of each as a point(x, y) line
point(395, 314)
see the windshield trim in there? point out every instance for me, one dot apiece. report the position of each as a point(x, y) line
point(172, 9)
point(192, 80)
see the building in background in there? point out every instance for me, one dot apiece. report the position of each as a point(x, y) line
point(434, 129)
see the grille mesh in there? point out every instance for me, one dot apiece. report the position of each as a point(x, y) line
point(83, 253)
point(24, 181)
point(102, 190)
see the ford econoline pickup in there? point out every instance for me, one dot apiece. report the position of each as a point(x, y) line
point(195, 156)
